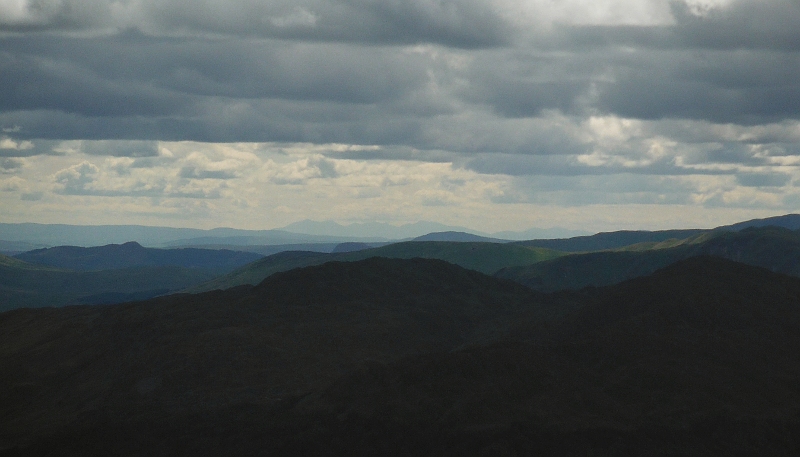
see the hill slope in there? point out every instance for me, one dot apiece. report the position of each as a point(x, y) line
point(611, 240)
point(775, 248)
point(132, 254)
point(28, 285)
point(292, 334)
point(700, 358)
point(788, 221)
point(415, 357)
point(479, 256)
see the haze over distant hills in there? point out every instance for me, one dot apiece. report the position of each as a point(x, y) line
point(456, 347)
point(540, 264)
point(27, 236)
point(48, 235)
point(417, 229)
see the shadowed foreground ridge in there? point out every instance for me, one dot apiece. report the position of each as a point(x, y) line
point(414, 357)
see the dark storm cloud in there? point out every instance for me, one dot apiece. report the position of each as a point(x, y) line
point(734, 63)
point(745, 87)
point(33, 83)
point(324, 72)
point(763, 179)
point(131, 86)
point(457, 23)
point(740, 24)
point(131, 75)
point(529, 99)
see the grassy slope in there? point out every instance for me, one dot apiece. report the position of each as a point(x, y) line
point(484, 257)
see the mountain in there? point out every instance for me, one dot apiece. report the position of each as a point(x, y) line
point(269, 249)
point(774, 248)
point(611, 240)
point(370, 229)
point(99, 235)
point(352, 247)
point(24, 284)
point(414, 357)
point(539, 233)
point(157, 363)
point(457, 236)
point(700, 358)
point(788, 221)
point(267, 238)
point(484, 257)
point(132, 254)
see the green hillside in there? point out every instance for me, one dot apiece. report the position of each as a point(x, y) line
point(479, 256)
point(612, 240)
point(774, 248)
point(27, 285)
point(132, 254)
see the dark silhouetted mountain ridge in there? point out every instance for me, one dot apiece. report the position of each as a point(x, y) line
point(415, 357)
point(132, 254)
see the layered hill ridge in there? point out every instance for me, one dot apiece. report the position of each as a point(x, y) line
point(479, 256)
point(774, 248)
point(24, 284)
point(415, 357)
point(132, 254)
point(611, 240)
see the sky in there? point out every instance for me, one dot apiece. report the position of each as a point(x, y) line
point(495, 115)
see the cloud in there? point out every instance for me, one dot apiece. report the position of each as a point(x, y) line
point(221, 76)
point(77, 179)
point(460, 23)
point(9, 165)
point(196, 173)
point(644, 102)
point(31, 196)
point(763, 179)
point(13, 148)
point(12, 184)
point(300, 171)
point(120, 148)
point(88, 179)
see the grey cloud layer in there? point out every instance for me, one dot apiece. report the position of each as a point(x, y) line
point(437, 80)
point(459, 23)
